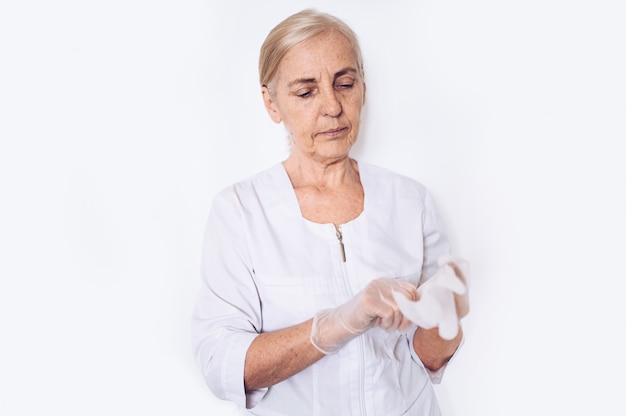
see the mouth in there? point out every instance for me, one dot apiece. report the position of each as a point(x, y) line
point(334, 132)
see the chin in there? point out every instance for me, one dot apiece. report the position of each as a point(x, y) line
point(334, 153)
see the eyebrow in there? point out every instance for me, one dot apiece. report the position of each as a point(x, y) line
point(348, 70)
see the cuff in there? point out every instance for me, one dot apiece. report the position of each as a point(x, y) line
point(232, 374)
point(435, 376)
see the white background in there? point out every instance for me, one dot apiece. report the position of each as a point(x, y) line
point(120, 120)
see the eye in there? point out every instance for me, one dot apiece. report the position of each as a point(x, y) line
point(345, 85)
point(304, 94)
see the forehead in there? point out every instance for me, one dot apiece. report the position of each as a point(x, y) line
point(326, 52)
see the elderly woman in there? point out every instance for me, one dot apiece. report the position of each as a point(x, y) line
point(295, 314)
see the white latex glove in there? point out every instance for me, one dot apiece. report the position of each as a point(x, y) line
point(443, 299)
point(373, 306)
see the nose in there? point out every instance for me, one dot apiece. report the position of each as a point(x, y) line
point(331, 105)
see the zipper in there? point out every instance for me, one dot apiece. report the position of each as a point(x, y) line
point(361, 342)
point(362, 375)
point(343, 249)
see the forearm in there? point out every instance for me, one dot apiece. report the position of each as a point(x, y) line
point(434, 351)
point(275, 356)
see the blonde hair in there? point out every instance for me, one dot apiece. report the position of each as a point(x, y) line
point(296, 29)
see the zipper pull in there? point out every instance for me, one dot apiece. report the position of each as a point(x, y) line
point(343, 250)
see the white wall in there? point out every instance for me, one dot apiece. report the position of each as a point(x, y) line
point(120, 120)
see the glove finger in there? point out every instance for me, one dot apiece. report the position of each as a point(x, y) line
point(389, 318)
point(424, 313)
point(448, 323)
point(447, 278)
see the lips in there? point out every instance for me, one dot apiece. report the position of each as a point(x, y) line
point(334, 132)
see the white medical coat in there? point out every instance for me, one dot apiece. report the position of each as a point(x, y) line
point(265, 267)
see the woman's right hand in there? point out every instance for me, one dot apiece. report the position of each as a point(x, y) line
point(373, 306)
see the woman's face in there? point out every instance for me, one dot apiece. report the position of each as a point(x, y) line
point(318, 93)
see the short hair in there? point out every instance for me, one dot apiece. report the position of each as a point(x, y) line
point(296, 29)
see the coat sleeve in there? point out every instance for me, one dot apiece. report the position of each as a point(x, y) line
point(436, 241)
point(436, 244)
point(227, 313)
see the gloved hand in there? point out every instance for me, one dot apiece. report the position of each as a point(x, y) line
point(373, 306)
point(443, 299)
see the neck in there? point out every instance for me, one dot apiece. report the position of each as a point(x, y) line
point(305, 172)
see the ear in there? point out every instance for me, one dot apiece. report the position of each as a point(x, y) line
point(270, 105)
